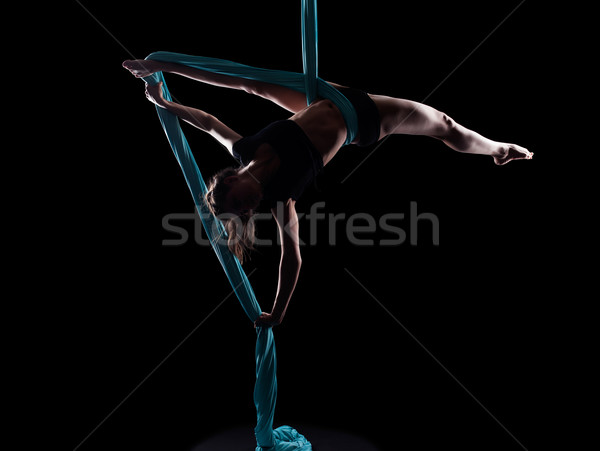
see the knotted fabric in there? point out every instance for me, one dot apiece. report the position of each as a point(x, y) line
point(284, 438)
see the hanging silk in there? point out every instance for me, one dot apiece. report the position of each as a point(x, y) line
point(284, 438)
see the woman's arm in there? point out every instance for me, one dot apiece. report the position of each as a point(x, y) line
point(289, 264)
point(195, 117)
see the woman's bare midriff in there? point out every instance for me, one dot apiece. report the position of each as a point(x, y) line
point(325, 127)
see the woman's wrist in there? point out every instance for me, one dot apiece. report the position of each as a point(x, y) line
point(276, 315)
point(168, 105)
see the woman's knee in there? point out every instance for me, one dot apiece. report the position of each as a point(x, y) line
point(445, 125)
point(253, 87)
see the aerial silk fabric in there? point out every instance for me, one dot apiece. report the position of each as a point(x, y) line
point(284, 438)
point(293, 80)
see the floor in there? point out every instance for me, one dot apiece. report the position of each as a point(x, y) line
point(242, 439)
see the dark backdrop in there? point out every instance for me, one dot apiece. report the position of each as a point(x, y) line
point(419, 346)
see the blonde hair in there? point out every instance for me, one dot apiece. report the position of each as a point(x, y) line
point(240, 229)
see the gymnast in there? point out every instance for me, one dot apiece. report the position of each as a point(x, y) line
point(279, 161)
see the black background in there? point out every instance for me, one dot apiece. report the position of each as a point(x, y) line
point(116, 301)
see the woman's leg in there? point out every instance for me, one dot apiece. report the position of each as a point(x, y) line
point(289, 99)
point(400, 116)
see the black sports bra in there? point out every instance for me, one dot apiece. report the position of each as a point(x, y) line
point(300, 160)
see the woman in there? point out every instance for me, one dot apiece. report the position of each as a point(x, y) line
point(280, 160)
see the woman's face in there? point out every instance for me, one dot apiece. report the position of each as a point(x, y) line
point(243, 194)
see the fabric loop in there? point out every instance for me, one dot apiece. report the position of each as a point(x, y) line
point(292, 80)
point(284, 438)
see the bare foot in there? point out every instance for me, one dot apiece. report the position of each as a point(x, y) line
point(141, 68)
point(512, 152)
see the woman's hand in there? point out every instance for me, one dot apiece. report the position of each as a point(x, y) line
point(267, 320)
point(155, 95)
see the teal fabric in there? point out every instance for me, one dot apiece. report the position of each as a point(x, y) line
point(293, 80)
point(310, 49)
point(284, 438)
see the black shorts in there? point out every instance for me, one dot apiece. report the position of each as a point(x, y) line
point(369, 122)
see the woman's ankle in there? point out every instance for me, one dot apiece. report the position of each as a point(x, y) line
point(501, 151)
